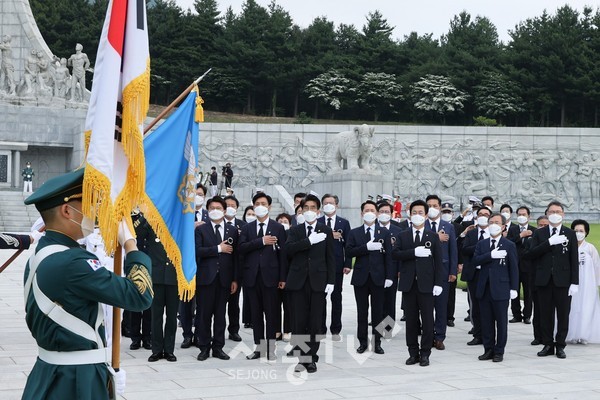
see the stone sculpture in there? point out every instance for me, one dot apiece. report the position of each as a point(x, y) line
point(353, 148)
point(7, 69)
point(80, 62)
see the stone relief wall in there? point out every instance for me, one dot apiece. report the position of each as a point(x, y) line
point(529, 166)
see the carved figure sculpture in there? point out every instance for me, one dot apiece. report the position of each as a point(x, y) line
point(80, 62)
point(31, 72)
point(7, 67)
point(61, 79)
point(354, 147)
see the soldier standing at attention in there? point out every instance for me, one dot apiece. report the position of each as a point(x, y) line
point(27, 175)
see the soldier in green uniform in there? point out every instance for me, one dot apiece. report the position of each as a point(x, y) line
point(64, 285)
point(27, 175)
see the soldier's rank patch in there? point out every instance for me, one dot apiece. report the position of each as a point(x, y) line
point(95, 264)
point(140, 277)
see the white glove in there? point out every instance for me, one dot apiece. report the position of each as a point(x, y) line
point(317, 237)
point(513, 294)
point(328, 289)
point(422, 251)
point(35, 236)
point(557, 239)
point(124, 233)
point(120, 378)
point(573, 289)
point(437, 290)
point(388, 283)
point(374, 246)
point(498, 254)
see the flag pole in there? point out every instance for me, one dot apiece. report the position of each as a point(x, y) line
point(116, 325)
point(175, 102)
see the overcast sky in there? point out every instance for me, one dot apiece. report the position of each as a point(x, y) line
point(422, 16)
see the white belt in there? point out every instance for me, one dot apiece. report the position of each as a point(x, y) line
point(81, 357)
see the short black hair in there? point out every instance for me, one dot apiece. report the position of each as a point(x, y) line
point(286, 216)
point(434, 197)
point(418, 203)
point(362, 206)
point(586, 225)
point(201, 186)
point(326, 195)
point(382, 204)
point(216, 199)
point(311, 197)
point(213, 168)
point(298, 207)
point(484, 208)
point(488, 198)
point(237, 202)
point(260, 195)
point(300, 194)
point(505, 205)
point(527, 210)
point(555, 203)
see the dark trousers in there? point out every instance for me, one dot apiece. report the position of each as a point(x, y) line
point(451, 300)
point(282, 313)
point(554, 301)
point(166, 300)
point(186, 316)
point(474, 301)
point(361, 294)
point(440, 304)
point(336, 306)
point(494, 322)
point(246, 312)
point(306, 306)
point(389, 303)
point(141, 324)
point(211, 302)
point(233, 312)
point(263, 303)
point(418, 304)
point(515, 304)
point(537, 328)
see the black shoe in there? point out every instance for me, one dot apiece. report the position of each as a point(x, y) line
point(412, 360)
point(203, 355)
point(527, 321)
point(247, 326)
point(135, 345)
point(515, 319)
point(378, 349)
point(254, 356)
point(467, 319)
point(220, 354)
point(361, 349)
point(470, 331)
point(235, 337)
point(450, 323)
point(560, 352)
point(424, 361)
point(536, 342)
point(311, 368)
point(488, 355)
point(187, 343)
point(498, 358)
point(170, 357)
point(475, 342)
point(546, 351)
point(146, 344)
point(155, 357)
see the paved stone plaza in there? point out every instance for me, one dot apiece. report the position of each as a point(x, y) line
point(454, 373)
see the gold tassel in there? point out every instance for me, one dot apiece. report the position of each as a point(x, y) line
point(199, 108)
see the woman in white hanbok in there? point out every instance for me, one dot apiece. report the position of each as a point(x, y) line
point(584, 318)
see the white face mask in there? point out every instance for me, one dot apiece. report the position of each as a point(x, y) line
point(555, 218)
point(261, 211)
point(300, 219)
point(482, 221)
point(250, 218)
point(286, 226)
point(87, 225)
point(446, 217)
point(328, 208)
point(199, 201)
point(310, 216)
point(230, 212)
point(433, 213)
point(384, 218)
point(495, 229)
point(215, 215)
point(580, 236)
point(506, 215)
point(417, 220)
point(369, 217)
point(522, 220)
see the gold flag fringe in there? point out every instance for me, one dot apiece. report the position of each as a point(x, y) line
point(199, 116)
point(96, 203)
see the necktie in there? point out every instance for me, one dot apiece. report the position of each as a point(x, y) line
point(329, 223)
point(369, 233)
point(418, 237)
point(309, 228)
point(230, 222)
point(481, 234)
point(553, 231)
point(434, 226)
point(261, 233)
point(522, 228)
point(493, 244)
point(218, 234)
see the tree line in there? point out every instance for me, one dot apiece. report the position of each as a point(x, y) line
point(547, 74)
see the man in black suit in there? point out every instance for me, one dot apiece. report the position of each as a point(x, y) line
point(471, 271)
point(341, 229)
point(510, 230)
point(216, 278)
point(541, 222)
point(421, 276)
point(556, 259)
point(264, 270)
point(233, 302)
point(525, 232)
point(373, 272)
point(311, 276)
point(498, 282)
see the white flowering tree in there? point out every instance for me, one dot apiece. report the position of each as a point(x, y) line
point(378, 92)
point(328, 88)
point(437, 96)
point(498, 97)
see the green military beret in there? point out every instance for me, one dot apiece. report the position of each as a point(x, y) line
point(58, 190)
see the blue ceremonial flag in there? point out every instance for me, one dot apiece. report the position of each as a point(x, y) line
point(171, 161)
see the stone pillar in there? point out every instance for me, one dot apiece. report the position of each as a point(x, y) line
point(16, 169)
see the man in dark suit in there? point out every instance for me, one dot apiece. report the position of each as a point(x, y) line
point(341, 229)
point(448, 216)
point(556, 259)
point(421, 277)
point(525, 232)
point(311, 276)
point(471, 271)
point(510, 230)
point(373, 272)
point(541, 222)
point(216, 278)
point(233, 302)
point(498, 282)
point(264, 270)
point(447, 236)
